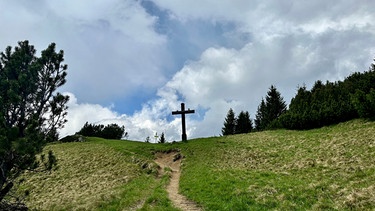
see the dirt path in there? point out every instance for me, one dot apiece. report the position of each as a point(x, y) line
point(173, 161)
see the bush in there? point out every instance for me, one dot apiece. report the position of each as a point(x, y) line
point(111, 131)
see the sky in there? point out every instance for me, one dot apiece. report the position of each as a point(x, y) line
point(132, 62)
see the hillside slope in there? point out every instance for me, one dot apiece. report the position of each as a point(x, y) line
point(328, 168)
point(98, 174)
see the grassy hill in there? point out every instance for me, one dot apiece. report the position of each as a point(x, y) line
point(328, 168)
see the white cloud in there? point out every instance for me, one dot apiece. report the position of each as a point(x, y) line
point(126, 17)
point(111, 47)
point(78, 114)
point(208, 9)
point(145, 123)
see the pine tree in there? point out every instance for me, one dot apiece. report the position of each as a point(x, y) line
point(249, 122)
point(270, 109)
point(260, 116)
point(229, 123)
point(243, 123)
point(31, 109)
point(162, 139)
point(275, 104)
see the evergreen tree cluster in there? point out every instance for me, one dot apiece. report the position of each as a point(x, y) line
point(111, 131)
point(332, 102)
point(325, 104)
point(268, 112)
point(241, 124)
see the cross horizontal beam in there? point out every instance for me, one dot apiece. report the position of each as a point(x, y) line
point(183, 112)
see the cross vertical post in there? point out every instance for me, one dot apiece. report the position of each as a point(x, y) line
point(183, 112)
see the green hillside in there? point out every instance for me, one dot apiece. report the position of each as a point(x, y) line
point(328, 168)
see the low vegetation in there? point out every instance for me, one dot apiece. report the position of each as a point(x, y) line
point(330, 168)
point(110, 131)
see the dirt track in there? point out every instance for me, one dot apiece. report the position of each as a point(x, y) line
point(172, 160)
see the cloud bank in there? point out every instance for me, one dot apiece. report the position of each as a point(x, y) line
point(134, 62)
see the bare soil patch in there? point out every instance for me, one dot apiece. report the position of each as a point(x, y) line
point(172, 160)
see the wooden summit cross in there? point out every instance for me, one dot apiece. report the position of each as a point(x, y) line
point(183, 112)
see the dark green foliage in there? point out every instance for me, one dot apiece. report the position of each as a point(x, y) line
point(31, 109)
point(229, 123)
point(364, 103)
point(162, 139)
point(275, 104)
point(270, 109)
point(261, 114)
point(91, 130)
point(331, 103)
point(243, 123)
point(111, 131)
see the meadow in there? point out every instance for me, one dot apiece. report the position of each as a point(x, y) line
point(331, 168)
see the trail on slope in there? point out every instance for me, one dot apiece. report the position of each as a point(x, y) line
point(172, 160)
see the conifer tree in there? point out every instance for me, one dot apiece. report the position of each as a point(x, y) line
point(31, 109)
point(260, 116)
point(275, 104)
point(249, 122)
point(270, 109)
point(243, 123)
point(229, 123)
point(162, 139)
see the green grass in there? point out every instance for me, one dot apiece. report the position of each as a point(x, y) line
point(327, 168)
point(98, 174)
point(332, 168)
point(145, 192)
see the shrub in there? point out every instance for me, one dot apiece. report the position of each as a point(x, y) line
point(111, 131)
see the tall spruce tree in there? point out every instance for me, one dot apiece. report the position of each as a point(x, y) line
point(243, 123)
point(162, 138)
point(229, 123)
point(260, 116)
point(31, 110)
point(275, 104)
point(270, 109)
